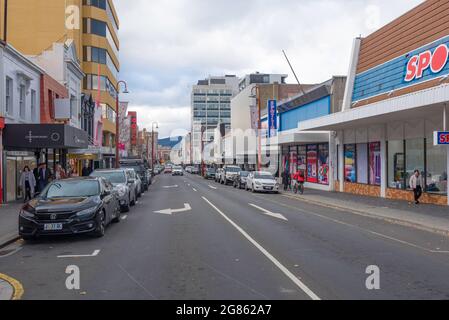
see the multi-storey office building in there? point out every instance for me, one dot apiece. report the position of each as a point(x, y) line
point(211, 105)
point(34, 25)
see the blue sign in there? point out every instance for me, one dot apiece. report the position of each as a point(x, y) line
point(441, 138)
point(272, 118)
point(420, 65)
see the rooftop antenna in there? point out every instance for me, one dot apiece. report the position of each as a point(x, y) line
point(294, 73)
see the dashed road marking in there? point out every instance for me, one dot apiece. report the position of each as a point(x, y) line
point(94, 254)
point(276, 262)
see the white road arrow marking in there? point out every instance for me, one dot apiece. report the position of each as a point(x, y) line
point(195, 190)
point(171, 187)
point(187, 207)
point(269, 213)
point(96, 252)
point(212, 187)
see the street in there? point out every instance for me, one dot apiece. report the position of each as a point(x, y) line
point(190, 238)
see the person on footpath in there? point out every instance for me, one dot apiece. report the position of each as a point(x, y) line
point(286, 180)
point(27, 184)
point(416, 183)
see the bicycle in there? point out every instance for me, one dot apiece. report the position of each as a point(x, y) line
point(298, 187)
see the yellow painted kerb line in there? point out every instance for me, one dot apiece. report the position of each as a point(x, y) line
point(17, 286)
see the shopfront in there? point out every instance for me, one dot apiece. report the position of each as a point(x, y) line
point(396, 98)
point(29, 144)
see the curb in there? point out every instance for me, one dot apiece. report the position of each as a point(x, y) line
point(10, 240)
point(10, 289)
point(405, 223)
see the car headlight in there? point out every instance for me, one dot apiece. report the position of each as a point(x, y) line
point(121, 191)
point(258, 183)
point(86, 212)
point(26, 214)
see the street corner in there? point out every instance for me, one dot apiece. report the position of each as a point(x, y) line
point(10, 288)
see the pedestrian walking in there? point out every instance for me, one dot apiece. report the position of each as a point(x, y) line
point(60, 172)
point(286, 180)
point(27, 183)
point(86, 170)
point(416, 183)
point(44, 177)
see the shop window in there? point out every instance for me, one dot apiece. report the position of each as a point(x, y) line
point(414, 160)
point(350, 163)
point(375, 164)
point(312, 164)
point(293, 160)
point(436, 171)
point(396, 164)
point(302, 159)
point(362, 163)
point(323, 164)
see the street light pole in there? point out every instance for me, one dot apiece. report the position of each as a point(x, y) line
point(259, 126)
point(117, 122)
point(152, 145)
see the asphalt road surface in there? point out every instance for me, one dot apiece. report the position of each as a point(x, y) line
point(189, 238)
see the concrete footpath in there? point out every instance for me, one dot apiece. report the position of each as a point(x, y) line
point(9, 215)
point(424, 217)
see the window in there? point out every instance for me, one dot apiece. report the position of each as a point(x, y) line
point(414, 160)
point(93, 26)
point(293, 160)
point(436, 171)
point(375, 164)
point(323, 164)
point(312, 163)
point(396, 164)
point(22, 101)
point(9, 96)
point(362, 163)
point(350, 163)
point(33, 106)
point(96, 3)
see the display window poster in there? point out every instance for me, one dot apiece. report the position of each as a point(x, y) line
point(293, 162)
point(350, 163)
point(323, 164)
point(375, 162)
point(302, 158)
point(312, 164)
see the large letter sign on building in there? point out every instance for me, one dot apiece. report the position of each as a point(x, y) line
point(436, 61)
point(441, 138)
point(272, 118)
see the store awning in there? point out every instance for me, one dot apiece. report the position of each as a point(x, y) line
point(417, 105)
point(43, 136)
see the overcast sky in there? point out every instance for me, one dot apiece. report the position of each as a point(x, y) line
point(166, 46)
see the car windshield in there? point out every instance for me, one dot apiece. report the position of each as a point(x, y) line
point(244, 173)
point(211, 170)
point(232, 169)
point(72, 189)
point(137, 168)
point(113, 176)
point(263, 176)
point(177, 168)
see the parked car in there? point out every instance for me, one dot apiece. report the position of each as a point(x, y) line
point(133, 180)
point(71, 206)
point(168, 169)
point(240, 179)
point(210, 173)
point(195, 170)
point(218, 174)
point(139, 166)
point(139, 186)
point(122, 183)
point(229, 173)
point(189, 169)
point(260, 181)
point(177, 171)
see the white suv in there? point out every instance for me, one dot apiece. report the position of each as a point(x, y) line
point(229, 173)
point(262, 182)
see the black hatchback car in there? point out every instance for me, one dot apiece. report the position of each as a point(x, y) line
point(72, 206)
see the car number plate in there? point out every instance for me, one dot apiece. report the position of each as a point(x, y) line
point(268, 188)
point(53, 227)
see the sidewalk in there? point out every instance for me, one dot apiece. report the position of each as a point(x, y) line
point(425, 217)
point(9, 215)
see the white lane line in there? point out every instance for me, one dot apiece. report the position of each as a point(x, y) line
point(125, 217)
point(212, 187)
point(171, 187)
point(269, 213)
point(276, 262)
point(94, 254)
point(310, 213)
point(195, 190)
